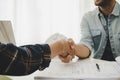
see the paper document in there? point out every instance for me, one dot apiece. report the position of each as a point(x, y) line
point(82, 69)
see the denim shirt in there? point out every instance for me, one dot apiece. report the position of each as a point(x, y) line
point(94, 36)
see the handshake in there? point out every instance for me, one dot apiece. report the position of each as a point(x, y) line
point(67, 49)
point(64, 49)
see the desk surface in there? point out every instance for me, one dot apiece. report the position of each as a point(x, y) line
point(82, 69)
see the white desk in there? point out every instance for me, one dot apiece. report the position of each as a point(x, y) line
point(83, 69)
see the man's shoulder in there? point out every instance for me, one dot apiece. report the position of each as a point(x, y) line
point(91, 13)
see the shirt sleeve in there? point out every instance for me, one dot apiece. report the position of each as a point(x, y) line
point(85, 33)
point(23, 60)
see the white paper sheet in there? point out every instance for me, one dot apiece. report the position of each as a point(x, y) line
point(82, 69)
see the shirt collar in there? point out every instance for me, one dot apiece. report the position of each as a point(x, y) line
point(115, 12)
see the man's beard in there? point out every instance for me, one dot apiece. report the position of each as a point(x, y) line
point(103, 3)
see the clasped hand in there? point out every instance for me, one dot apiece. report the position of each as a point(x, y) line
point(64, 49)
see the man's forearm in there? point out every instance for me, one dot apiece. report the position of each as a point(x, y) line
point(82, 51)
point(23, 60)
point(29, 58)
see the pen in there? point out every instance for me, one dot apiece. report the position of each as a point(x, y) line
point(98, 67)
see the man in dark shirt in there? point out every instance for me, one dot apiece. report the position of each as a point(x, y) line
point(26, 59)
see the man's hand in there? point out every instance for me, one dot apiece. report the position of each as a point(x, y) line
point(80, 50)
point(71, 52)
point(63, 49)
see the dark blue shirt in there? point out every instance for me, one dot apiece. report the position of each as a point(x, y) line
point(23, 60)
